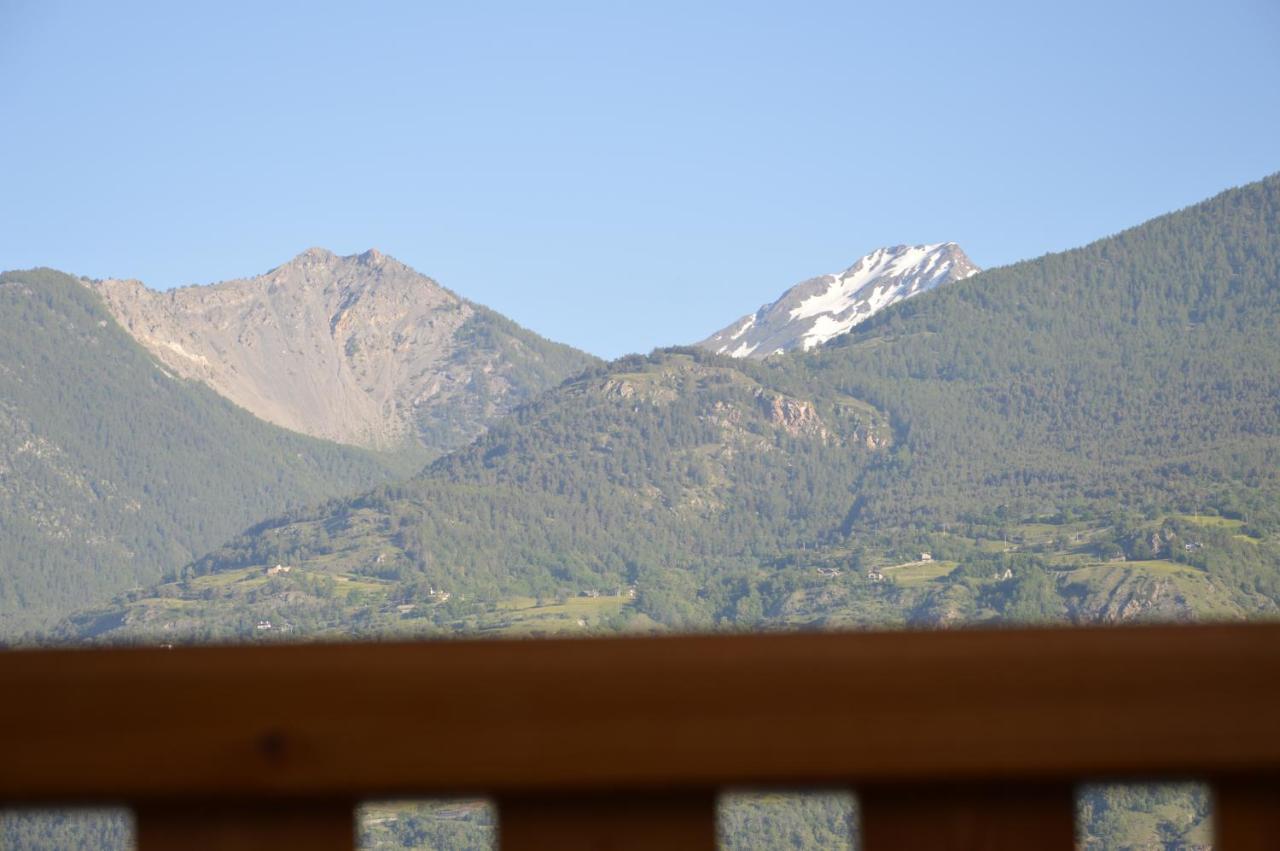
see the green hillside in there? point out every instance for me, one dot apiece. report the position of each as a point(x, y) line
point(112, 471)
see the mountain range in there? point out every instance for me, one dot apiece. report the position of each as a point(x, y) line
point(1023, 427)
point(359, 350)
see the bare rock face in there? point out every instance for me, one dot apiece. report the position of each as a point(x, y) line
point(795, 416)
point(359, 349)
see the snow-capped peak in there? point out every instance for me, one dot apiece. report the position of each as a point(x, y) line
point(813, 312)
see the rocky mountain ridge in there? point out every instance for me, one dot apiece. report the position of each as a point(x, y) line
point(359, 349)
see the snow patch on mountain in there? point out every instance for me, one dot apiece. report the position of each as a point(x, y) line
point(815, 311)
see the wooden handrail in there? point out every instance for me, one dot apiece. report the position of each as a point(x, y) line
point(643, 718)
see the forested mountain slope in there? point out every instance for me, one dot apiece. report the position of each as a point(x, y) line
point(1142, 370)
point(628, 475)
point(359, 349)
point(1092, 435)
point(112, 469)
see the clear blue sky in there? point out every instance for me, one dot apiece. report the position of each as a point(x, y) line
point(616, 179)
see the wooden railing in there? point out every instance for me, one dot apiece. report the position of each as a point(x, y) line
point(966, 739)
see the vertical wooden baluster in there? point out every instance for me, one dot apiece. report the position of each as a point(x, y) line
point(251, 826)
point(968, 817)
point(1246, 815)
point(615, 823)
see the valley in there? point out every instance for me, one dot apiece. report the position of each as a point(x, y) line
point(981, 579)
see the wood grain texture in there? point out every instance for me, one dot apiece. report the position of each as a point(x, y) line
point(249, 826)
point(608, 823)
point(977, 817)
point(358, 721)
